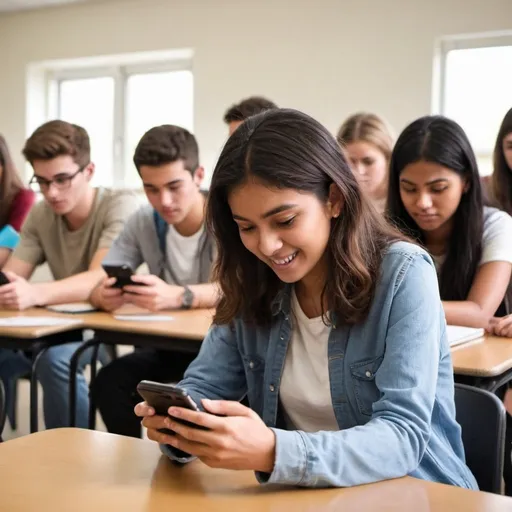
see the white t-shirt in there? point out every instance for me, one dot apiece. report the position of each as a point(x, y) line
point(496, 239)
point(183, 257)
point(305, 390)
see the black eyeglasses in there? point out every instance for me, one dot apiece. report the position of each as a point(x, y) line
point(61, 181)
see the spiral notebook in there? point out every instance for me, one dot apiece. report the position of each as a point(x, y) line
point(458, 334)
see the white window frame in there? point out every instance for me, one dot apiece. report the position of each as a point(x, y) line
point(461, 42)
point(120, 68)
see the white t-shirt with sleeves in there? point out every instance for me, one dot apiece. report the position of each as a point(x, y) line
point(496, 239)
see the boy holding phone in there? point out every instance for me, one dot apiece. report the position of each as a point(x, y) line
point(169, 236)
point(71, 230)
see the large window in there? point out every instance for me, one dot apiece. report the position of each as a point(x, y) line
point(476, 89)
point(116, 105)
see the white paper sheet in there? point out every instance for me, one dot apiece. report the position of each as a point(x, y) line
point(144, 318)
point(72, 307)
point(458, 334)
point(35, 321)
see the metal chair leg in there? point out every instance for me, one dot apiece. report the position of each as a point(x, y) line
point(38, 351)
point(92, 405)
point(73, 369)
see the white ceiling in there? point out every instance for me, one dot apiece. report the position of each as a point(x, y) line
point(18, 5)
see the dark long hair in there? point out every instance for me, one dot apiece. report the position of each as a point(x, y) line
point(502, 174)
point(290, 150)
point(442, 141)
point(10, 182)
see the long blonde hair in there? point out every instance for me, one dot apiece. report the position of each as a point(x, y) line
point(369, 128)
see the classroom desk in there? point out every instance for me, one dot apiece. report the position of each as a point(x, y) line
point(80, 470)
point(37, 340)
point(184, 333)
point(486, 361)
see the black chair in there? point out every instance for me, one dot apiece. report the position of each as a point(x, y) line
point(482, 417)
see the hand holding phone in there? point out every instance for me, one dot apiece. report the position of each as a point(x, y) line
point(162, 396)
point(123, 274)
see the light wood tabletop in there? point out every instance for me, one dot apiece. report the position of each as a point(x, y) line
point(486, 357)
point(33, 332)
point(82, 470)
point(190, 324)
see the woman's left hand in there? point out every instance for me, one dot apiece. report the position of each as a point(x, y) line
point(237, 437)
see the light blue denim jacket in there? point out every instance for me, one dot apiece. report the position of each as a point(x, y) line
point(391, 385)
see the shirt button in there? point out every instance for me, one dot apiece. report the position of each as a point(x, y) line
point(368, 374)
point(272, 388)
point(251, 364)
point(282, 338)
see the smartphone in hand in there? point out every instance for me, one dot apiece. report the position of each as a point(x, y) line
point(123, 274)
point(162, 396)
point(3, 279)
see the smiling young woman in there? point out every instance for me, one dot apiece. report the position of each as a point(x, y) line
point(330, 323)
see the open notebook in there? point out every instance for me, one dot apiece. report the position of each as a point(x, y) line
point(458, 334)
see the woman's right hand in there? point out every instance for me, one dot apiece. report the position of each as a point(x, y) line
point(501, 326)
point(153, 423)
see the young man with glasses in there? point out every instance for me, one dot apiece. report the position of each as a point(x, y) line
point(170, 237)
point(71, 230)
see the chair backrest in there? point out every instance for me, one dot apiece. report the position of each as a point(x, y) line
point(482, 417)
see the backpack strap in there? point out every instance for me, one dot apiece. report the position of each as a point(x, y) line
point(161, 228)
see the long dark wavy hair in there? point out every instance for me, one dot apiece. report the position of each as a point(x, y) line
point(10, 182)
point(289, 150)
point(442, 141)
point(502, 174)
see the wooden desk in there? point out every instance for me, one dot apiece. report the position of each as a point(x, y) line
point(71, 469)
point(37, 340)
point(31, 333)
point(488, 360)
point(192, 324)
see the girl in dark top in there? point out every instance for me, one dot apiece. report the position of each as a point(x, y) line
point(15, 202)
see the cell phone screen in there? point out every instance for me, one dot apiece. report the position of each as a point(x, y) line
point(3, 279)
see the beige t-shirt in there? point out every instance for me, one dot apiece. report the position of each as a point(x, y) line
point(46, 237)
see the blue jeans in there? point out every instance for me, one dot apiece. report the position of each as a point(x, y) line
point(53, 374)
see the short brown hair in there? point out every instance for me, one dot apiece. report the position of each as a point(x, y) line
point(247, 108)
point(58, 138)
point(367, 128)
point(165, 144)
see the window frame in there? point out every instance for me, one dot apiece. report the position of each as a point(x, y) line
point(120, 72)
point(461, 42)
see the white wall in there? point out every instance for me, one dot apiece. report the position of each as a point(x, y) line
point(326, 57)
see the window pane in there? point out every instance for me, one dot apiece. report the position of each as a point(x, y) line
point(154, 99)
point(478, 92)
point(89, 103)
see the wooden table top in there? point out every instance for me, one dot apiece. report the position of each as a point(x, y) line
point(487, 357)
point(190, 324)
point(82, 470)
point(38, 331)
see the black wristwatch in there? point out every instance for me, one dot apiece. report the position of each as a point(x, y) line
point(188, 298)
